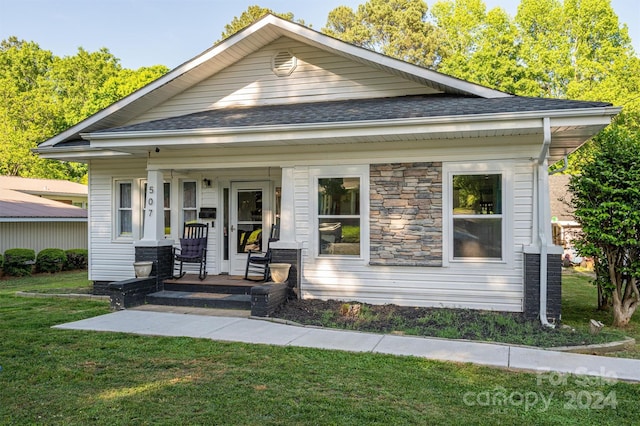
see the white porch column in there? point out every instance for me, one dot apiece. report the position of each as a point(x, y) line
point(154, 210)
point(287, 212)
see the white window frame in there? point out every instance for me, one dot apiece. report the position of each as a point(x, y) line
point(328, 172)
point(182, 201)
point(475, 168)
point(116, 236)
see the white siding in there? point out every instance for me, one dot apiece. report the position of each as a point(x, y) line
point(109, 260)
point(492, 286)
point(319, 76)
point(42, 235)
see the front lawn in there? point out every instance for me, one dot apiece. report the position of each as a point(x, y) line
point(72, 377)
point(579, 303)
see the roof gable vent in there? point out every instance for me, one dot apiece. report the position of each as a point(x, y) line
point(283, 63)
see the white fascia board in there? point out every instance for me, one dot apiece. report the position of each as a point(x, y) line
point(79, 154)
point(283, 133)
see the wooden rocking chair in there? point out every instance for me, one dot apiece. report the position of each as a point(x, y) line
point(193, 248)
point(257, 262)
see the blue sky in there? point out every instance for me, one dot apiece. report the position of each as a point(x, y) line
point(170, 32)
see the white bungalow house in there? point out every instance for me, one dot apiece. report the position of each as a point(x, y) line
point(391, 183)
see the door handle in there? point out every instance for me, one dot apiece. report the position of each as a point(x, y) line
point(232, 228)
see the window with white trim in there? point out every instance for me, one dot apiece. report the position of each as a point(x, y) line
point(476, 218)
point(189, 202)
point(124, 209)
point(339, 221)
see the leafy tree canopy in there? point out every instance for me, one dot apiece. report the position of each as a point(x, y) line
point(606, 197)
point(42, 95)
point(397, 28)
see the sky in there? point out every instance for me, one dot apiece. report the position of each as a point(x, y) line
point(170, 32)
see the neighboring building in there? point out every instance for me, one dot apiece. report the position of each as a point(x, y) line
point(63, 191)
point(564, 226)
point(40, 213)
point(391, 183)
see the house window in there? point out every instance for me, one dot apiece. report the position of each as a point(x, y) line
point(339, 221)
point(124, 215)
point(477, 216)
point(189, 208)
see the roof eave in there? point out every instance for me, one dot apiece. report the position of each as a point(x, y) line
point(593, 116)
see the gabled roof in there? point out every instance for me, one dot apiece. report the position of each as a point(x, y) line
point(43, 186)
point(234, 48)
point(16, 206)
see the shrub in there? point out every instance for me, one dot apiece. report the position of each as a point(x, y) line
point(18, 262)
point(51, 260)
point(76, 259)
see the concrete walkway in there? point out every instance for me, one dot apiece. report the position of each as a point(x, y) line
point(247, 330)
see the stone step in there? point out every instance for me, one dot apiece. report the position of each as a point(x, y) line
point(200, 299)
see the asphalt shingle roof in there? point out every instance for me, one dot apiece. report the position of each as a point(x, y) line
point(15, 204)
point(419, 106)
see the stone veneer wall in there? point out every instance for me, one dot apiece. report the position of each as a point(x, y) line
point(406, 214)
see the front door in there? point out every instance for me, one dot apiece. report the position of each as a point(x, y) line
point(250, 222)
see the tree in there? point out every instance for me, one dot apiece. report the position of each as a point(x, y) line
point(396, 28)
point(481, 47)
point(251, 15)
point(42, 94)
point(606, 198)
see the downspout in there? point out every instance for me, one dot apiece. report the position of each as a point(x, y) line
point(542, 218)
point(564, 167)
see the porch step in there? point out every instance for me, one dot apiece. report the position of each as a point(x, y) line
point(200, 299)
point(208, 288)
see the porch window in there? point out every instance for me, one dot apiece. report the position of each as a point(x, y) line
point(189, 209)
point(124, 215)
point(339, 221)
point(477, 216)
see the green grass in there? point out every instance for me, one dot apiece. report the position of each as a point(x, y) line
point(62, 282)
point(579, 303)
point(71, 377)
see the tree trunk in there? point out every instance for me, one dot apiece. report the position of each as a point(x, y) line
point(625, 301)
point(621, 315)
point(604, 299)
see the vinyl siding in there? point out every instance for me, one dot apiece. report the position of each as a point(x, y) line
point(42, 235)
point(319, 76)
point(111, 258)
point(497, 286)
point(491, 286)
